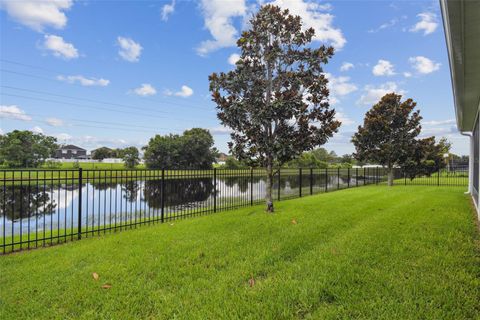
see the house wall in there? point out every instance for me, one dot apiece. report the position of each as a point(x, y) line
point(475, 161)
point(70, 154)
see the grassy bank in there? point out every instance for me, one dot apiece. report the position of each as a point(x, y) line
point(372, 252)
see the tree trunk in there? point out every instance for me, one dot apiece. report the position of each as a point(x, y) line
point(390, 176)
point(268, 195)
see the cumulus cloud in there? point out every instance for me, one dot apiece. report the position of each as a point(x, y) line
point(63, 137)
point(314, 16)
point(54, 122)
point(184, 92)
point(383, 68)
point(373, 94)
point(167, 10)
point(233, 58)
point(38, 14)
point(37, 129)
point(129, 49)
point(339, 87)
point(60, 48)
point(13, 112)
point(87, 82)
point(407, 74)
point(145, 90)
point(218, 16)
point(428, 23)
point(346, 66)
point(343, 118)
point(424, 65)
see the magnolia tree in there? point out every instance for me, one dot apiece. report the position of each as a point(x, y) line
point(389, 132)
point(276, 99)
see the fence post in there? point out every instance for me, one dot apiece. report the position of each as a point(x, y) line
point(162, 212)
point(326, 179)
point(356, 177)
point(80, 182)
point(214, 189)
point(348, 178)
point(438, 177)
point(364, 176)
point(251, 186)
point(405, 175)
point(300, 182)
point(338, 178)
point(278, 191)
point(311, 181)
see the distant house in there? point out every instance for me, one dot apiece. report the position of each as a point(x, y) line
point(222, 157)
point(70, 151)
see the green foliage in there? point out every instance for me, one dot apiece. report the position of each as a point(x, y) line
point(192, 150)
point(102, 153)
point(232, 163)
point(52, 164)
point(320, 158)
point(276, 99)
point(428, 157)
point(389, 131)
point(25, 149)
point(131, 157)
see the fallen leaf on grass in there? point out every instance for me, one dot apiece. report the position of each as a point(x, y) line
point(294, 221)
point(95, 276)
point(106, 286)
point(251, 281)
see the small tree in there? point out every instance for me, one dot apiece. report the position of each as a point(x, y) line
point(131, 157)
point(276, 99)
point(388, 135)
point(24, 149)
point(102, 153)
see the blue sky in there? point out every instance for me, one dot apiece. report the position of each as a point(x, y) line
point(115, 73)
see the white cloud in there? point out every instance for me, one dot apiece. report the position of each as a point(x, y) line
point(13, 112)
point(88, 82)
point(340, 86)
point(407, 74)
point(220, 130)
point(313, 16)
point(428, 23)
point(438, 122)
point(233, 58)
point(37, 129)
point(38, 14)
point(346, 66)
point(343, 118)
point(383, 68)
point(184, 92)
point(63, 137)
point(54, 122)
point(167, 10)
point(59, 47)
point(424, 65)
point(391, 23)
point(373, 94)
point(145, 90)
point(129, 49)
point(218, 15)
point(1, 131)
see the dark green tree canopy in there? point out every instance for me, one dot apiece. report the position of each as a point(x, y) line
point(389, 131)
point(102, 153)
point(192, 150)
point(276, 99)
point(25, 149)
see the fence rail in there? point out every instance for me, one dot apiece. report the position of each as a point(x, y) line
point(46, 207)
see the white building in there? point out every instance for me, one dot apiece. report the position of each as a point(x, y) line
point(461, 20)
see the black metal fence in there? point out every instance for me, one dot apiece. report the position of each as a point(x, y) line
point(46, 207)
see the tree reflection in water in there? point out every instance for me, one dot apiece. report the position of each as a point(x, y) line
point(18, 202)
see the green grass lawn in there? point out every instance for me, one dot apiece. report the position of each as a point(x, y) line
point(369, 253)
